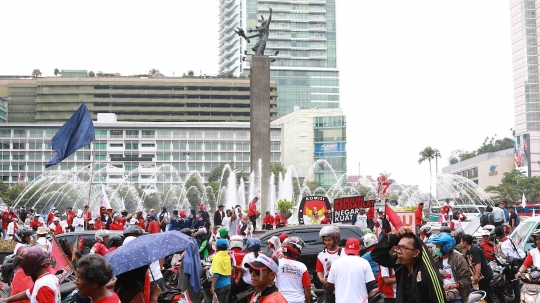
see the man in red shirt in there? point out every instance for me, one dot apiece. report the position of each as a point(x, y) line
point(252, 212)
point(280, 220)
point(418, 214)
point(50, 216)
point(98, 224)
point(35, 223)
point(327, 219)
point(87, 215)
point(57, 227)
point(70, 214)
point(268, 221)
point(117, 223)
point(6, 219)
point(153, 226)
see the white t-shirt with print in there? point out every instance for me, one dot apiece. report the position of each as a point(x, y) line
point(250, 257)
point(361, 221)
point(349, 274)
point(289, 280)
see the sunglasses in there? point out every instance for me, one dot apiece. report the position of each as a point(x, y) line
point(257, 272)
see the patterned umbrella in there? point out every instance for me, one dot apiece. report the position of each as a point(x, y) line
point(147, 249)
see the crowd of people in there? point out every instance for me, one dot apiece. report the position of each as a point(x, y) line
point(410, 264)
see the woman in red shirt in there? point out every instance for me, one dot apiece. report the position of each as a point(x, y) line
point(98, 224)
point(102, 238)
point(153, 226)
point(117, 223)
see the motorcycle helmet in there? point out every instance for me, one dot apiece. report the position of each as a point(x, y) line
point(445, 229)
point(101, 234)
point(135, 230)
point(124, 213)
point(293, 246)
point(367, 231)
point(490, 228)
point(223, 232)
point(329, 231)
point(458, 233)
point(115, 241)
point(535, 233)
point(186, 231)
point(273, 243)
point(427, 229)
point(236, 241)
point(253, 244)
point(446, 242)
point(200, 234)
point(31, 259)
point(22, 233)
point(370, 240)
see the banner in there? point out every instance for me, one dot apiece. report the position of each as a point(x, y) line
point(311, 209)
point(522, 154)
point(345, 208)
point(407, 218)
point(59, 261)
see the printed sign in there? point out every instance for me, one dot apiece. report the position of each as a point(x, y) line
point(346, 208)
point(312, 209)
point(329, 147)
point(407, 218)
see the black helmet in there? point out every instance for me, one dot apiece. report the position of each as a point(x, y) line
point(458, 233)
point(124, 213)
point(133, 230)
point(115, 241)
point(200, 234)
point(31, 259)
point(22, 233)
point(536, 233)
point(186, 231)
point(445, 229)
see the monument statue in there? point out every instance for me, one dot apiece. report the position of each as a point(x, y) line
point(261, 32)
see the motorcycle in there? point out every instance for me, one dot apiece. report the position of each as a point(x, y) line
point(478, 297)
point(530, 291)
point(375, 296)
point(501, 288)
point(206, 280)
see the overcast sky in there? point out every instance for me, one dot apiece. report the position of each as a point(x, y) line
point(412, 73)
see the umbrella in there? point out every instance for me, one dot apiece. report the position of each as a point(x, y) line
point(147, 249)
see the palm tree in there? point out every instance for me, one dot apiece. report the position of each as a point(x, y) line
point(429, 154)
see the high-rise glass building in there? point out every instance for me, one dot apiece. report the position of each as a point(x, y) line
point(524, 21)
point(304, 33)
point(231, 45)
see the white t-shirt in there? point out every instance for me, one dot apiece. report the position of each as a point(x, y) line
point(76, 222)
point(448, 278)
point(508, 250)
point(457, 224)
point(325, 259)
point(350, 274)
point(291, 279)
point(451, 212)
point(249, 257)
point(46, 244)
point(226, 222)
point(47, 281)
point(361, 221)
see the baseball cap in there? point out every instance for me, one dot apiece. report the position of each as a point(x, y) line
point(352, 247)
point(56, 219)
point(222, 243)
point(153, 216)
point(263, 262)
point(486, 233)
point(41, 230)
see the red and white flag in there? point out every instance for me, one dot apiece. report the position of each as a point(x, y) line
point(25, 177)
point(104, 199)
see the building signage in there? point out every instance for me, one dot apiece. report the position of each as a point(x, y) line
point(492, 170)
point(329, 147)
point(522, 154)
point(346, 208)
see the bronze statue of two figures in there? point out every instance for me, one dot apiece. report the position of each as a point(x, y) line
point(261, 32)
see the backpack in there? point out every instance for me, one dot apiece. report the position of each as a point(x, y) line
point(486, 219)
point(386, 225)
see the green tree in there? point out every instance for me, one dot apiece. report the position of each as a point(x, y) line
point(190, 74)
point(155, 73)
point(511, 187)
point(276, 169)
point(100, 74)
point(36, 73)
point(195, 191)
point(56, 72)
point(91, 74)
point(428, 154)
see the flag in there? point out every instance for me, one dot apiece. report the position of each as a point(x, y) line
point(25, 177)
point(77, 132)
point(62, 262)
point(523, 201)
point(393, 217)
point(104, 199)
point(19, 177)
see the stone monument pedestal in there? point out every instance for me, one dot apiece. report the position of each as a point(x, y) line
point(260, 125)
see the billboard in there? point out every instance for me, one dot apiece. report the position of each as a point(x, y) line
point(346, 208)
point(522, 154)
point(311, 209)
point(329, 147)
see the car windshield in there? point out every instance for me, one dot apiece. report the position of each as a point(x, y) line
point(523, 230)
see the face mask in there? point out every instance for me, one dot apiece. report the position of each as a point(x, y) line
point(437, 252)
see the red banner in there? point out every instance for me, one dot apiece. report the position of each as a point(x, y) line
point(60, 261)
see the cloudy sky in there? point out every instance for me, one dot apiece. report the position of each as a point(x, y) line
point(413, 73)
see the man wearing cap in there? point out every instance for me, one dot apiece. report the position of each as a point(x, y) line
point(263, 272)
point(34, 224)
point(87, 216)
point(153, 226)
point(42, 239)
point(70, 215)
point(221, 270)
point(219, 215)
point(57, 227)
point(350, 276)
point(327, 219)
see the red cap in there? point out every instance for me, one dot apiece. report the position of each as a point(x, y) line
point(352, 247)
point(283, 236)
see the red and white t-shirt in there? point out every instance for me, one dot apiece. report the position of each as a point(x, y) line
point(388, 289)
point(46, 290)
point(533, 258)
point(350, 274)
point(291, 279)
point(249, 257)
point(113, 298)
point(325, 260)
point(99, 248)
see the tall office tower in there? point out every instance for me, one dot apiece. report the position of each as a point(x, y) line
point(523, 17)
point(304, 33)
point(231, 45)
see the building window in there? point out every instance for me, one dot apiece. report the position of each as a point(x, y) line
point(132, 146)
point(148, 133)
point(49, 133)
point(164, 146)
point(116, 144)
point(195, 146)
point(164, 133)
point(5, 133)
point(195, 134)
point(35, 145)
point(210, 146)
point(100, 133)
point(117, 133)
point(179, 146)
point(164, 157)
point(101, 146)
point(19, 132)
point(227, 146)
point(242, 146)
point(4, 145)
point(211, 134)
point(100, 157)
point(226, 134)
point(130, 133)
point(18, 157)
point(148, 145)
point(19, 146)
point(36, 133)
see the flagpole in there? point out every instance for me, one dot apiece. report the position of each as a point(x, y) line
point(93, 155)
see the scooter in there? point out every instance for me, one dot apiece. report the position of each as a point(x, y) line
point(530, 291)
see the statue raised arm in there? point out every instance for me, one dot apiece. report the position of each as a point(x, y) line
point(262, 32)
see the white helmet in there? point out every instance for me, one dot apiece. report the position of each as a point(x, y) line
point(329, 231)
point(236, 241)
point(370, 240)
point(102, 233)
point(490, 228)
point(426, 229)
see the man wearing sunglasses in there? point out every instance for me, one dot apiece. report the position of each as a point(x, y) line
point(263, 272)
point(417, 278)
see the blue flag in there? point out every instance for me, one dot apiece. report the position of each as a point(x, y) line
point(77, 132)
